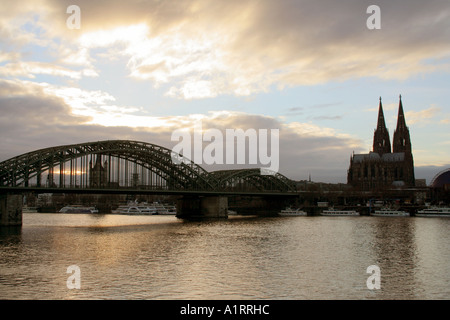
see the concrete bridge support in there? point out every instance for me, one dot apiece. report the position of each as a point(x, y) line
point(11, 209)
point(197, 207)
point(259, 205)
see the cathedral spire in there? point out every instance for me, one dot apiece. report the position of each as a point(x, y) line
point(402, 140)
point(381, 125)
point(381, 141)
point(401, 122)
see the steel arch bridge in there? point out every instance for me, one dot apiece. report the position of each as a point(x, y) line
point(117, 164)
point(249, 180)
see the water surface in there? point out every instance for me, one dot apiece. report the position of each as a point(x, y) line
point(162, 257)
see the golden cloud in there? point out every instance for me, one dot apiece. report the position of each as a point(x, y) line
point(208, 48)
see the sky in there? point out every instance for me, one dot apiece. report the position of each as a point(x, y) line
point(313, 69)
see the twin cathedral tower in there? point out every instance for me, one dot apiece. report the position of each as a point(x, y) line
point(385, 167)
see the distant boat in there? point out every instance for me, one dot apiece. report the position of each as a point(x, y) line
point(288, 212)
point(334, 212)
point(135, 208)
point(78, 209)
point(386, 212)
point(26, 209)
point(171, 209)
point(434, 212)
point(164, 209)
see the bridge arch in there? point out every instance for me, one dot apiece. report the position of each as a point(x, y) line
point(154, 159)
point(248, 179)
point(125, 162)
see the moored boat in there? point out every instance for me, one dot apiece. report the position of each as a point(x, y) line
point(78, 209)
point(386, 212)
point(135, 208)
point(170, 209)
point(164, 208)
point(26, 209)
point(288, 212)
point(334, 212)
point(434, 212)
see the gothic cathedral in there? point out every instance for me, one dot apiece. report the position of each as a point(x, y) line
point(384, 168)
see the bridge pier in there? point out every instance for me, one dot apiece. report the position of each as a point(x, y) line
point(258, 205)
point(194, 207)
point(11, 209)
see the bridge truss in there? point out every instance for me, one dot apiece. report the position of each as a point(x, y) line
point(249, 180)
point(116, 164)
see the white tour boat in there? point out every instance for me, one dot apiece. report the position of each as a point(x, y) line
point(160, 209)
point(164, 208)
point(170, 209)
point(135, 208)
point(434, 212)
point(334, 212)
point(386, 212)
point(288, 212)
point(78, 209)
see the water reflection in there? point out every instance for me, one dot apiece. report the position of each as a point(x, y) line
point(395, 252)
point(153, 257)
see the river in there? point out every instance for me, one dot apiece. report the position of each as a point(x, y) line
point(281, 258)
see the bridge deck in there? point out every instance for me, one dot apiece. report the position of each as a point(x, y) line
point(21, 190)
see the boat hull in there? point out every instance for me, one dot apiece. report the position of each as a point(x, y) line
point(70, 209)
point(434, 213)
point(339, 213)
point(390, 214)
point(144, 209)
point(292, 214)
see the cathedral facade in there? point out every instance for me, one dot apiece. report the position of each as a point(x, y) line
point(385, 167)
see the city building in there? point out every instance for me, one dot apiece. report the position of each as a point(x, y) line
point(442, 180)
point(385, 167)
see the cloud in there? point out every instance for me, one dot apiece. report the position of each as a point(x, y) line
point(31, 119)
point(36, 116)
point(328, 118)
point(100, 107)
point(206, 48)
point(203, 49)
point(27, 103)
point(8, 56)
point(31, 69)
point(422, 116)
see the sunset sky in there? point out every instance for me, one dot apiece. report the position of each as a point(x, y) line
point(140, 69)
